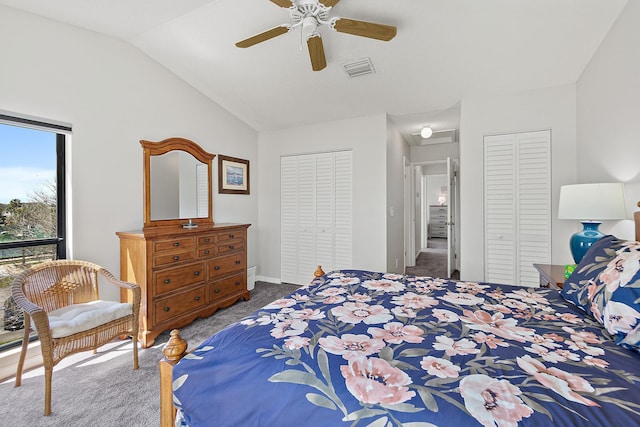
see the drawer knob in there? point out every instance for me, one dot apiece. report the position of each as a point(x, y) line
point(197, 298)
point(238, 283)
point(207, 252)
point(176, 244)
point(197, 273)
point(176, 258)
point(217, 267)
point(217, 291)
point(167, 281)
point(207, 240)
point(231, 247)
point(167, 309)
point(231, 236)
point(238, 261)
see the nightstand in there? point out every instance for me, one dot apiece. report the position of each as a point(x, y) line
point(551, 275)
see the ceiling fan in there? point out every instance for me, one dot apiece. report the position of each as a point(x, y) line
point(309, 15)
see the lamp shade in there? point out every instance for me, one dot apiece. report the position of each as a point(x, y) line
point(592, 202)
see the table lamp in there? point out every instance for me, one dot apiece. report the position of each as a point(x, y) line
point(591, 204)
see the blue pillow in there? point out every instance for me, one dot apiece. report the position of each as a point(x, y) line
point(606, 285)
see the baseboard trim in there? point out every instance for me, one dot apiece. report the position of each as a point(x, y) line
point(268, 279)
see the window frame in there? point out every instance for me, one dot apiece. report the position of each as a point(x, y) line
point(60, 240)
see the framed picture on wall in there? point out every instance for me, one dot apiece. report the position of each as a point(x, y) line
point(233, 175)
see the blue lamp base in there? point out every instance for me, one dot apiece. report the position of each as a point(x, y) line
point(582, 240)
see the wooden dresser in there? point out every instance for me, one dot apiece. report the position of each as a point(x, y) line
point(184, 273)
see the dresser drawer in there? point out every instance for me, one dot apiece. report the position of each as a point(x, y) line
point(230, 246)
point(178, 277)
point(172, 257)
point(178, 243)
point(206, 251)
point(175, 305)
point(224, 265)
point(232, 234)
point(228, 286)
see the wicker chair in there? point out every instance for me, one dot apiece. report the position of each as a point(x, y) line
point(61, 297)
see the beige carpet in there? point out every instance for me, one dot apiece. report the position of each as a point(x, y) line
point(432, 261)
point(103, 390)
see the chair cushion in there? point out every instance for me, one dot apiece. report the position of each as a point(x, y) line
point(76, 318)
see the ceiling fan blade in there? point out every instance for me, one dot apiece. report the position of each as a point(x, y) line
point(282, 3)
point(329, 3)
point(364, 29)
point(316, 52)
point(259, 38)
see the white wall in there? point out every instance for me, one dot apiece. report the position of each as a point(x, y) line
point(552, 108)
point(397, 152)
point(608, 114)
point(435, 184)
point(366, 136)
point(430, 153)
point(113, 96)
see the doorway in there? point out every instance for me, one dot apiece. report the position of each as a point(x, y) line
point(435, 224)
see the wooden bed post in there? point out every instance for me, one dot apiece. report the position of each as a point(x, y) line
point(173, 351)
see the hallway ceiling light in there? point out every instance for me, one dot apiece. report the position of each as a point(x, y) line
point(426, 132)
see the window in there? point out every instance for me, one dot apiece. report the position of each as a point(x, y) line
point(32, 207)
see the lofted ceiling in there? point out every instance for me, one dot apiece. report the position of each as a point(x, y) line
point(444, 51)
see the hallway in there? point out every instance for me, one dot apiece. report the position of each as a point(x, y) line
point(432, 261)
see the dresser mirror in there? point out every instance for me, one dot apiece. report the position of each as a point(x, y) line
point(177, 184)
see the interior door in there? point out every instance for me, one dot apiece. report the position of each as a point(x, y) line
point(451, 210)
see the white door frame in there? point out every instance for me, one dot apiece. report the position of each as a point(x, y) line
point(409, 217)
point(455, 213)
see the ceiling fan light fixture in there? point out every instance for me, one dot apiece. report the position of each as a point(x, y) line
point(309, 25)
point(426, 132)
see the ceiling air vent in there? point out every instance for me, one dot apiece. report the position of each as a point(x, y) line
point(359, 68)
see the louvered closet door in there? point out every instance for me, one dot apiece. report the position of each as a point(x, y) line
point(289, 219)
point(324, 210)
point(500, 213)
point(343, 211)
point(306, 218)
point(316, 214)
point(517, 206)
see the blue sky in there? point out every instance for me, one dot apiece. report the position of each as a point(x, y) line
point(27, 161)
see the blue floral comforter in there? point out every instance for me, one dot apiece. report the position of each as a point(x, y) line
point(359, 348)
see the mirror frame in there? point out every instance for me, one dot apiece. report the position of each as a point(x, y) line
point(151, 148)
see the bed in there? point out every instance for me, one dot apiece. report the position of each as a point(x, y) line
point(362, 348)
